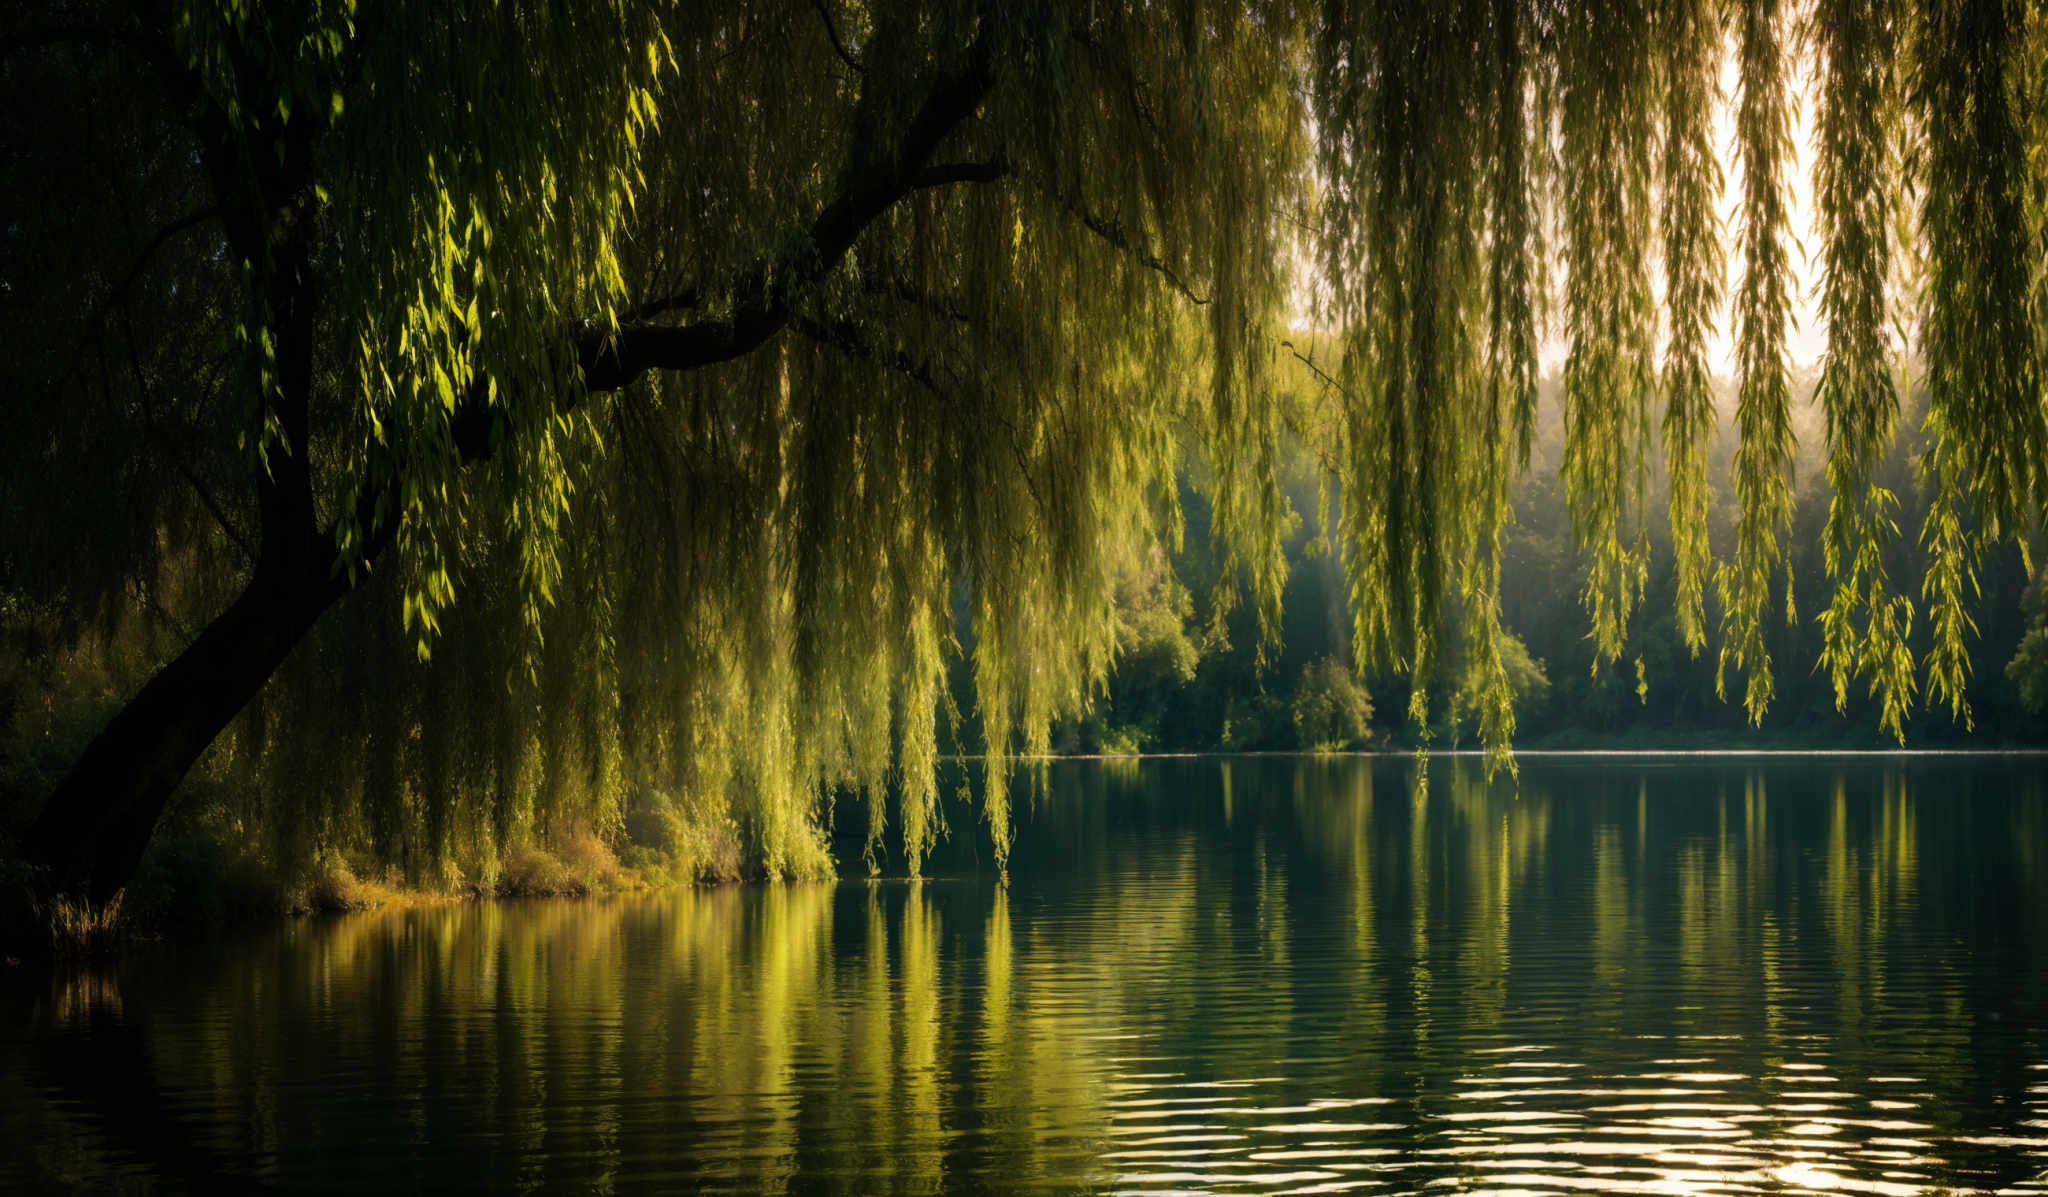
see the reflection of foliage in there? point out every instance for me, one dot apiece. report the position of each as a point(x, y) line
point(1331, 709)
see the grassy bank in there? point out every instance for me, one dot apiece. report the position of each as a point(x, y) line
point(207, 871)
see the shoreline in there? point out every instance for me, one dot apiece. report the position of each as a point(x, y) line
point(371, 896)
point(1520, 753)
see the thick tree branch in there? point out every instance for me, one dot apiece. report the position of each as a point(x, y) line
point(764, 306)
point(662, 305)
point(948, 173)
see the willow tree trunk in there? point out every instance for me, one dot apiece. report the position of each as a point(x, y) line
point(90, 836)
point(89, 839)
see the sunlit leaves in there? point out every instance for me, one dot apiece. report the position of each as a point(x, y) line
point(1763, 312)
point(1865, 626)
point(747, 579)
point(1692, 40)
point(1606, 67)
point(1982, 337)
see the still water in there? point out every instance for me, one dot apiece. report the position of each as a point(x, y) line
point(1274, 975)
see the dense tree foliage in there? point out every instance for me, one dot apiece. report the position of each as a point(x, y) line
point(694, 393)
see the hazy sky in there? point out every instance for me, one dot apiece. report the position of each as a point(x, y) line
point(1806, 339)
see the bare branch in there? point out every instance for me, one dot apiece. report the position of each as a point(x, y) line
point(1328, 381)
point(1113, 232)
point(120, 290)
point(846, 337)
point(832, 31)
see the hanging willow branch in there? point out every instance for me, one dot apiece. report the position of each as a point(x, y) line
point(1692, 290)
point(1763, 311)
point(1854, 45)
point(1981, 342)
point(1605, 63)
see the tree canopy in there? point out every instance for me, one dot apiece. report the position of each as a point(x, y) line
point(685, 387)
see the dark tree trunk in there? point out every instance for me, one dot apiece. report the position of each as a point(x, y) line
point(91, 834)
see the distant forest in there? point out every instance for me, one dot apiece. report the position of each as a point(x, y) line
point(1185, 683)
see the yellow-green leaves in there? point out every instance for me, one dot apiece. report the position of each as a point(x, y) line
point(1692, 38)
point(752, 573)
point(1865, 625)
point(1763, 312)
point(1982, 341)
point(485, 204)
point(1421, 158)
point(1606, 66)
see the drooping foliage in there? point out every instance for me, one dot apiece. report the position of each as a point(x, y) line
point(1983, 333)
point(1605, 141)
point(1866, 625)
point(1692, 291)
point(1762, 312)
point(972, 373)
point(721, 406)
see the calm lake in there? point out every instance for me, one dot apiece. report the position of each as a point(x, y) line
point(1276, 975)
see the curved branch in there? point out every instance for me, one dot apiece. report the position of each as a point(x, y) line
point(1113, 232)
point(120, 290)
point(832, 31)
point(765, 305)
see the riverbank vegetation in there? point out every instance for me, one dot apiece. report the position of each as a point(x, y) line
point(444, 434)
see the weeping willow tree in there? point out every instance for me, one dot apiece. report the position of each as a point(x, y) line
point(508, 408)
point(661, 375)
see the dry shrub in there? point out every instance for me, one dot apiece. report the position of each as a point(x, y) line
point(534, 872)
point(331, 885)
point(80, 929)
point(588, 859)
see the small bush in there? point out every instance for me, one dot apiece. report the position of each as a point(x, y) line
point(1123, 741)
point(589, 860)
point(201, 872)
point(78, 929)
point(534, 872)
point(665, 845)
point(332, 886)
point(1331, 709)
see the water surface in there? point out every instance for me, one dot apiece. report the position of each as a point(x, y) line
point(1268, 975)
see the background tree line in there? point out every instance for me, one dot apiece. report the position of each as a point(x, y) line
point(1187, 683)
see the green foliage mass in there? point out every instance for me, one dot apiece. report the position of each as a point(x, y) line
point(2028, 669)
point(708, 404)
point(1331, 710)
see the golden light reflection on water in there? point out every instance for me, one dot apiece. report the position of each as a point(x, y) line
point(1242, 976)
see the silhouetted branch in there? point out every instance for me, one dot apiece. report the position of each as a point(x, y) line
point(764, 306)
point(120, 290)
point(832, 31)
